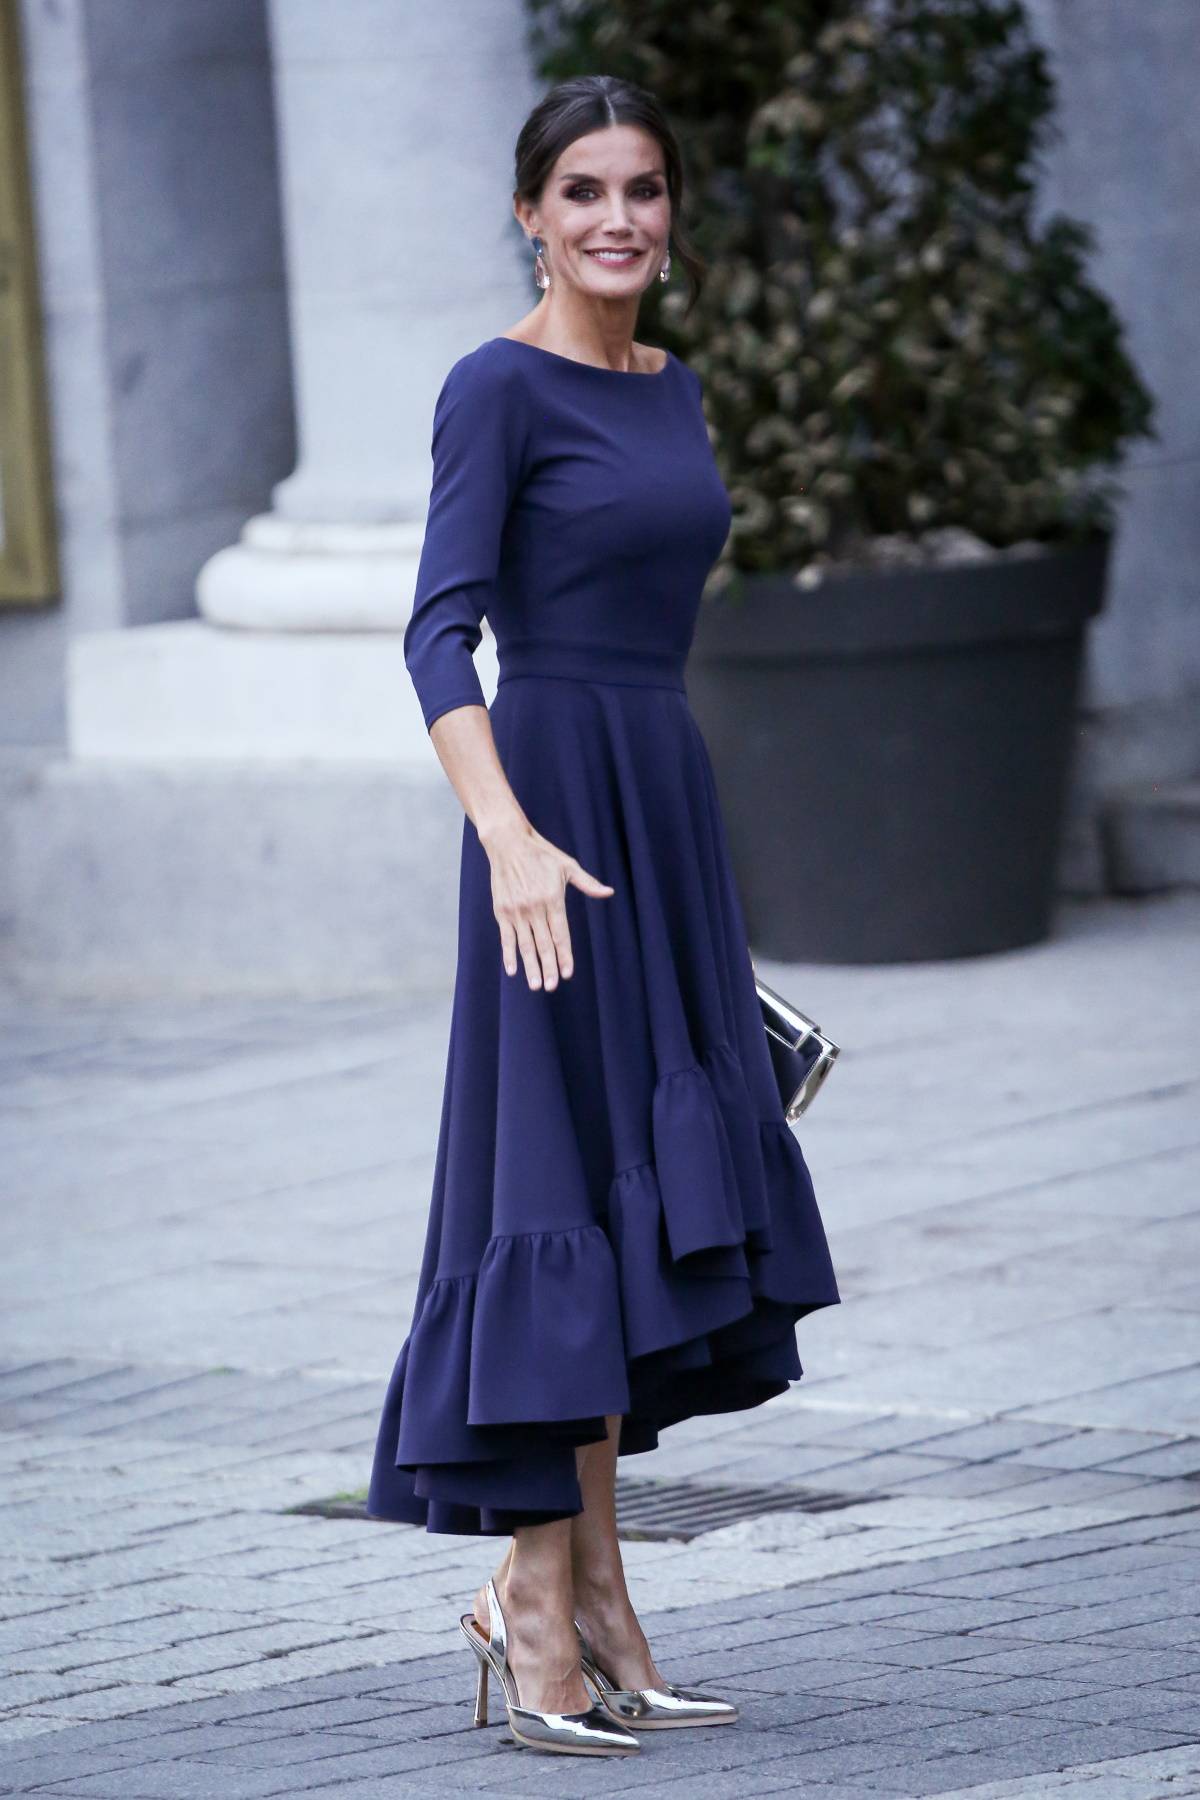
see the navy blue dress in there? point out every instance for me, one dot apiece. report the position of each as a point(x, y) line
point(621, 1221)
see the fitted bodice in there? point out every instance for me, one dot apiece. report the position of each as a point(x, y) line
point(579, 508)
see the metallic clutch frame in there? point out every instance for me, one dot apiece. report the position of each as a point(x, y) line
point(799, 1036)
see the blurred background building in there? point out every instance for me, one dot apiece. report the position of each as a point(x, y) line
point(258, 236)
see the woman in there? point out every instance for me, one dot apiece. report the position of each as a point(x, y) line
point(623, 1230)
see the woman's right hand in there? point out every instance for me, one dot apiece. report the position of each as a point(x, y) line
point(529, 883)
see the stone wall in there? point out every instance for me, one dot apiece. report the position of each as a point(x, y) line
point(156, 196)
point(1128, 162)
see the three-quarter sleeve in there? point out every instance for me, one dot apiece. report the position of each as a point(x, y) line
point(478, 457)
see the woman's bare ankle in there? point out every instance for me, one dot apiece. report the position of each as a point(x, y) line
point(543, 1648)
point(617, 1640)
point(500, 1578)
point(481, 1609)
point(603, 1602)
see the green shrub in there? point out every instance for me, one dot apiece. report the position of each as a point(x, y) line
point(890, 340)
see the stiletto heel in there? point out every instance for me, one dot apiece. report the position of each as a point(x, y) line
point(591, 1733)
point(650, 1709)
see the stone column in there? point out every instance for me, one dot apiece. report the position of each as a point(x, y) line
point(396, 136)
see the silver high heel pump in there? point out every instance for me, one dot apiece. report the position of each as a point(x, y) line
point(649, 1709)
point(590, 1733)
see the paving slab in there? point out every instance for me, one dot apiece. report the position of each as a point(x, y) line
point(1006, 1402)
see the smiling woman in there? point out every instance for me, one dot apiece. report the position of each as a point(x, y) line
point(623, 1230)
point(611, 220)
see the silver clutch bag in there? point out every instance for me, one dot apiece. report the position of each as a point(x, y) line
point(801, 1054)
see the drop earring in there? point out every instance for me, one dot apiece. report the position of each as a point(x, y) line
point(540, 272)
point(664, 274)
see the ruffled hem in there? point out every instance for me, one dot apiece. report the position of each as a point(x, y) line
point(679, 1299)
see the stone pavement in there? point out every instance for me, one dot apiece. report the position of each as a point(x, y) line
point(210, 1234)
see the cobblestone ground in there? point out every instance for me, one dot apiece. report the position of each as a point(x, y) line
point(211, 1228)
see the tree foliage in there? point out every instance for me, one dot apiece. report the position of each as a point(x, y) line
point(891, 339)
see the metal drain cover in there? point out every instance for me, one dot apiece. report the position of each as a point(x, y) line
point(669, 1510)
point(686, 1509)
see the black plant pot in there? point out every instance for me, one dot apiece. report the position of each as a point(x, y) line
point(892, 751)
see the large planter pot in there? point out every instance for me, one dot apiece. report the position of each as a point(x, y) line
point(892, 751)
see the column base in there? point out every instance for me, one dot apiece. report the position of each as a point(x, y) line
point(291, 575)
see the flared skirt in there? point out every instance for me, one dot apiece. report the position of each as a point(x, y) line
point(622, 1221)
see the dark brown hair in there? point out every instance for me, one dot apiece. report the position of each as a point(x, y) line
point(586, 103)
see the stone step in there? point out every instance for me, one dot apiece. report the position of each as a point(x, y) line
point(184, 879)
point(188, 691)
point(1152, 837)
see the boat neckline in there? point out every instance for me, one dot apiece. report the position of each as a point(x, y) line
point(595, 368)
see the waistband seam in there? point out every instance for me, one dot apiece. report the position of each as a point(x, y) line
point(589, 680)
point(609, 665)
